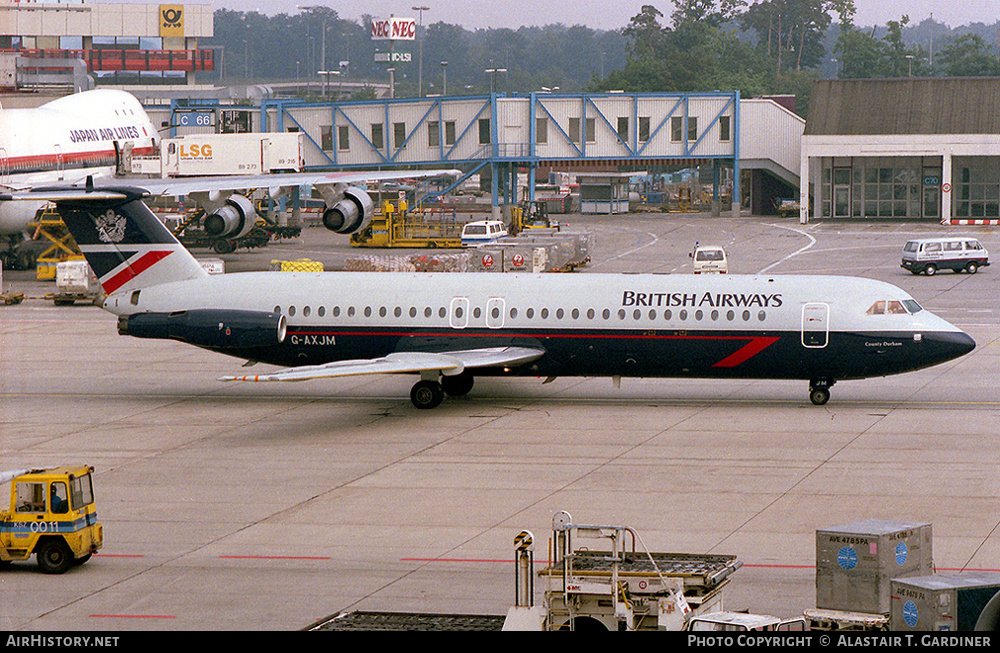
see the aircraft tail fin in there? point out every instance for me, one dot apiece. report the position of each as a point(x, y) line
point(126, 245)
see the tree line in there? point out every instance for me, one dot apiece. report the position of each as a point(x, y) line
point(758, 47)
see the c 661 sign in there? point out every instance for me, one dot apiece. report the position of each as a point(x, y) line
point(394, 29)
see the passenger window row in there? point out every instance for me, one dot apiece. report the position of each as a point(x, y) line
point(544, 313)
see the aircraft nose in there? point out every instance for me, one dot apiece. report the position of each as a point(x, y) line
point(952, 344)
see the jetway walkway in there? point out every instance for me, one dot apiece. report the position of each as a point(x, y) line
point(498, 135)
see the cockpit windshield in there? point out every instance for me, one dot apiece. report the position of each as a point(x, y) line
point(894, 307)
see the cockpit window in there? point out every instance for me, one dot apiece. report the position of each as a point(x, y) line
point(894, 307)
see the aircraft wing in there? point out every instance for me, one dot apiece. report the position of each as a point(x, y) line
point(106, 187)
point(448, 363)
point(185, 185)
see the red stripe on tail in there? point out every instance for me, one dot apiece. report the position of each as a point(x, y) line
point(134, 269)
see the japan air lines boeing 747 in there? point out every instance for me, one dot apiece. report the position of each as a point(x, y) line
point(451, 328)
point(94, 133)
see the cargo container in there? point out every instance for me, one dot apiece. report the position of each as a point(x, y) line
point(227, 154)
point(941, 601)
point(856, 562)
point(75, 281)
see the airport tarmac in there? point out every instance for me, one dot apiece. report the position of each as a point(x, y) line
point(251, 507)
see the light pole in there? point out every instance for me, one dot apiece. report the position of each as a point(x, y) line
point(444, 78)
point(493, 77)
point(420, 46)
point(344, 67)
point(325, 74)
point(322, 56)
point(392, 83)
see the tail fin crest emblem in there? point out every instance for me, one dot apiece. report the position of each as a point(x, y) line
point(111, 226)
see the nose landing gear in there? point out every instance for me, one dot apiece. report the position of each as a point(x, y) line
point(819, 391)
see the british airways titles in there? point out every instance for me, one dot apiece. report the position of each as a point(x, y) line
point(714, 300)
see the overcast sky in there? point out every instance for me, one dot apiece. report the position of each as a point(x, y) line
point(600, 14)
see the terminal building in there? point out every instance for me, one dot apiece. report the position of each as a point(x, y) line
point(113, 44)
point(904, 148)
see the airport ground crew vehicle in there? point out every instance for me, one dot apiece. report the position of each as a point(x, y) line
point(52, 515)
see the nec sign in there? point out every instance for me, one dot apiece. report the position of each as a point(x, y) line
point(394, 29)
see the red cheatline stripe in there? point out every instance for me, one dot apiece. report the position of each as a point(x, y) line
point(747, 351)
point(134, 269)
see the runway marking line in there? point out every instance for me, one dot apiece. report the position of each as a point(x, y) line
point(133, 616)
point(234, 557)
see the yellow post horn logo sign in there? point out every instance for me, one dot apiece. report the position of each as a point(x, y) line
point(171, 20)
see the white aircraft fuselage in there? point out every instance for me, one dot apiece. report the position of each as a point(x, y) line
point(642, 325)
point(65, 141)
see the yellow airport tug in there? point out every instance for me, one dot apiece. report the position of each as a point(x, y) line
point(53, 515)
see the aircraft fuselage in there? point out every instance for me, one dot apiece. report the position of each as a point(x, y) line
point(643, 325)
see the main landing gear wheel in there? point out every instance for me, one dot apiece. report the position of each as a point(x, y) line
point(819, 396)
point(458, 385)
point(427, 394)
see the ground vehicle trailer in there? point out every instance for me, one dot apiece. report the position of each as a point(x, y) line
point(709, 259)
point(616, 589)
point(225, 154)
point(957, 253)
point(52, 515)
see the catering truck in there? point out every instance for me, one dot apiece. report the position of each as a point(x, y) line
point(225, 154)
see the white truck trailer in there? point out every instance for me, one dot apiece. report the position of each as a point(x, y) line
point(225, 154)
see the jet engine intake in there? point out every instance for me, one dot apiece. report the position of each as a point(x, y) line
point(234, 219)
point(351, 214)
point(209, 328)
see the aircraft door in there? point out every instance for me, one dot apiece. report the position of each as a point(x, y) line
point(59, 163)
point(495, 308)
point(815, 325)
point(458, 316)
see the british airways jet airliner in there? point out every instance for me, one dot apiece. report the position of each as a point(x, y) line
point(451, 328)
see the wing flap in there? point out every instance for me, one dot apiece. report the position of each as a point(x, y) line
point(448, 363)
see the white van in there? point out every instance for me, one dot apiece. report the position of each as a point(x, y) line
point(709, 259)
point(928, 255)
point(483, 231)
